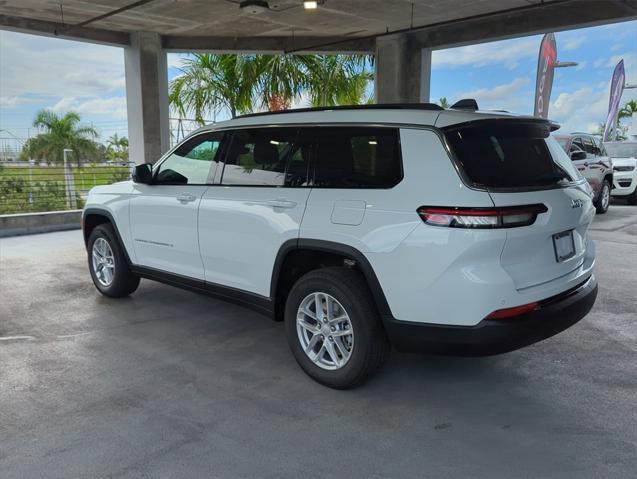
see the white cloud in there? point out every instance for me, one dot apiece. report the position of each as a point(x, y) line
point(584, 108)
point(13, 101)
point(100, 80)
point(581, 65)
point(572, 43)
point(57, 68)
point(114, 107)
point(599, 62)
point(508, 52)
point(174, 60)
point(497, 97)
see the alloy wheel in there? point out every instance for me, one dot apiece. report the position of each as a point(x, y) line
point(605, 196)
point(103, 262)
point(325, 331)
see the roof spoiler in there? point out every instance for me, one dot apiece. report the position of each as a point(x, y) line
point(465, 104)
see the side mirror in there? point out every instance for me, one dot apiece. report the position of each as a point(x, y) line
point(578, 155)
point(143, 173)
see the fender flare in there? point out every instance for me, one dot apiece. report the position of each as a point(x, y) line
point(337, 248)
point(108, 215)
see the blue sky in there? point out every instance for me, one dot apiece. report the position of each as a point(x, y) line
point(40, 72)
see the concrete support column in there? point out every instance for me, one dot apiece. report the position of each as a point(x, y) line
point(146, 97)
point(403, 70)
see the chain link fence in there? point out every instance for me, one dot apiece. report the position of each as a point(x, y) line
point(31, 187)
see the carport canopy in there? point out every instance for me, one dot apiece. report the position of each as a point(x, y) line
point(400, 33)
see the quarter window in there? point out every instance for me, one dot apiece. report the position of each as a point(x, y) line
point(192, 163)
point(258, 157)
point(357, 158)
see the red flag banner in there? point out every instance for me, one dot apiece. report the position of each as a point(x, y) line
point(544, 80)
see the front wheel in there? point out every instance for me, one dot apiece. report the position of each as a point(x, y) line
point(107, 263)
point(603, 200)
point(632, 198)
point(334, 329)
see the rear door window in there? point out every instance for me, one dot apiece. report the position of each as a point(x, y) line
point(357, 157)
point(258, 157)
point(500, 154)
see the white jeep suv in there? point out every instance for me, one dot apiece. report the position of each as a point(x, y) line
point(446, 231)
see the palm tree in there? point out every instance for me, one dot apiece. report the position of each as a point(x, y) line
point(628, 109)
point(337, 79)
point(117, 147)
point(280, 80)
point(443, 102)
point(239, 83)
point(208, 83)
point(61, 132)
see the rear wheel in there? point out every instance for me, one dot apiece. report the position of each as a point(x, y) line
point(334, 329)
point(603, 199)
point(107, 263)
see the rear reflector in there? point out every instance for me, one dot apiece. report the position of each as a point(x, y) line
point(515, 311)
point(507, 217)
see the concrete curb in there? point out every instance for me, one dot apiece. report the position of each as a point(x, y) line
point(32, 223)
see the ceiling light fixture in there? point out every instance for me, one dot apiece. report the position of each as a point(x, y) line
point(254, 7)
point(310, 4)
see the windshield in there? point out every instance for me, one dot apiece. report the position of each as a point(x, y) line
point(621, 150)
point(497, 154)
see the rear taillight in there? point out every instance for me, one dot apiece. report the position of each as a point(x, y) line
point(515, 311)
point(507, 217)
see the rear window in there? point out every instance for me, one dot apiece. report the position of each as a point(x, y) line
point(357, 157)
point(495, 154)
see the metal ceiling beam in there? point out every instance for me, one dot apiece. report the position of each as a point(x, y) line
point(547, 17)
point(536, 18)
point(54, 29)
point(258, 44)
point(125, 8)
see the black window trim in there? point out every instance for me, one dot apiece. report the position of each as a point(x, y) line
point(313, 154)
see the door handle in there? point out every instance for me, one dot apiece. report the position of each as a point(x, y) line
point(186, 197)
point(281, 203)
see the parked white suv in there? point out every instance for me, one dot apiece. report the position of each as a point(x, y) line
point(624, 157)
point(434, 230)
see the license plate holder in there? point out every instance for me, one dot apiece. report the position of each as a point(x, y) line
point(564, 246)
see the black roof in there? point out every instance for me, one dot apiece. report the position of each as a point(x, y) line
point(383, 106)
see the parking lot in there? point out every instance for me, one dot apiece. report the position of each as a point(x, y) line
point(168, 383)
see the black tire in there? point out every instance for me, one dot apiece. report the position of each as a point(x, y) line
point(370, 347)
point(600, 207)
point(124, 282)
point(632, 199)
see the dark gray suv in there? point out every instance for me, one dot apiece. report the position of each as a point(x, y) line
point(588, 154)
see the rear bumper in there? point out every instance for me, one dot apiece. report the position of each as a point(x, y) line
point(496, 336)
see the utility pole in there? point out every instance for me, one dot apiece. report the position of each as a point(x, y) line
point(71, 201)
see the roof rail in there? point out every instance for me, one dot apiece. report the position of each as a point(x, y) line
point(375, 106)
